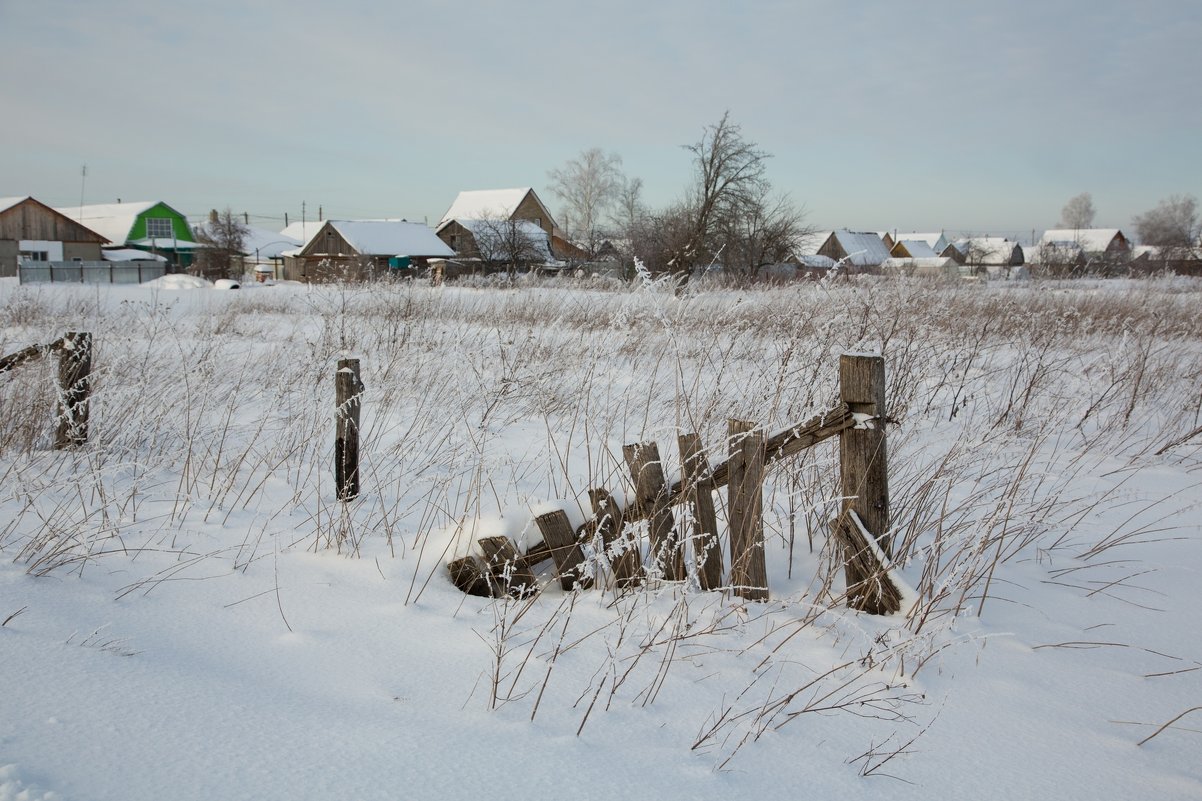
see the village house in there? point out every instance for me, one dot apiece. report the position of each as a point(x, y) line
point(854, 251)
point(150, 226)
point(32, 231)
point(1067, 251)
point(364, 249)
point(989, 255)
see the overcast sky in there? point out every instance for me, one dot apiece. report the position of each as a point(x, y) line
point(963, 115)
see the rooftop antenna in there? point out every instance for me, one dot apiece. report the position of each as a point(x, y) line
point(83, 179)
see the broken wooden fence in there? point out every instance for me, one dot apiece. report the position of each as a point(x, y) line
point(858, 421)
point(74, 382)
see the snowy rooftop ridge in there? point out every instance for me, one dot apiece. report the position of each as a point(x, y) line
point(1091, 240)
point(7, 203)
point(480, 204)
point(113, 221)
point(389, 238)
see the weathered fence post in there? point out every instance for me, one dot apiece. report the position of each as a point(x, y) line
point(863, 457)
point(348, 391)
point(748, 572)
point(75, 384)
point(864, 476)
point(507, 566)
point(651, 497)
point(699, 489)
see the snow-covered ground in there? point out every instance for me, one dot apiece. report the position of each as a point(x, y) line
point(188, 612)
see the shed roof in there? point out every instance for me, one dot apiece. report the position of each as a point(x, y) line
point(390, 238)
point(916, 248)
point(863, 248)
point(486, 231)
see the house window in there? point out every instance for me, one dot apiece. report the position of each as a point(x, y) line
point(158, 227)
point(35, 255)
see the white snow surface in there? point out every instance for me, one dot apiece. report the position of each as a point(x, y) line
point(113, 221)
point(1091, 240)
point(188, 612)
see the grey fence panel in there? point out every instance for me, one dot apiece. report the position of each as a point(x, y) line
point(90, 272)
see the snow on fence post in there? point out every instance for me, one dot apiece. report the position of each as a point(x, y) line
point(864, 468)
point(348, 391)
point(698, 495)
point(748, 571)
point(652, 502)
point(75, 384)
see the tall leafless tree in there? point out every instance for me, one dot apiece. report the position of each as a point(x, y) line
point(589, 186)
point(1078, 212)
point(224, 237)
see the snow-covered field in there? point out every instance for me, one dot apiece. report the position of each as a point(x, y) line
point(189, 613)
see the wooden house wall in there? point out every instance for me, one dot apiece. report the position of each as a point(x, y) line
point(30, 220)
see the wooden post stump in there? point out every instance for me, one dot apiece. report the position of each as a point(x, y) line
point(863, 462)
point(471, 576)
point(652, 502)
point(699, 495)
point(348, 391)
point(748, 571)
point(560, 537)
point(75, 385)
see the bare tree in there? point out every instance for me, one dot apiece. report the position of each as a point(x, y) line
point(758, 231)
point(508, 245)
point(1172, 224)
point(224, 236)
point(589, 185)
point(1078, 213)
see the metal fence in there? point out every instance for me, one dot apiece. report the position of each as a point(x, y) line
point(90, 272)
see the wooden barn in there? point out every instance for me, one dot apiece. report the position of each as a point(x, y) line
point(522, 203)
point(29, 229)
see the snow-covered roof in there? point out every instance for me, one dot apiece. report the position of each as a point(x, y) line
point(1052, 252)
point(1091, 240)
point(808, 244)
point(485, 204)
point(925, 267)
point(113, 221)
point(488, 235)
point(129, 254)
point(390, 238)
point(7, 203)
point(935, 241)
point(302, 231)
point(863, 248)
point(918, 248)
point(814, 261)
point(263, 242)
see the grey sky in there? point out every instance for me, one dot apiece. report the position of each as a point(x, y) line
point(926, 115)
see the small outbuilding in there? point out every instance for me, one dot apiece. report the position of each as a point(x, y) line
point(32, 231)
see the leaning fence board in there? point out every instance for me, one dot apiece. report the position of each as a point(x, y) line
point(559, 535)
point(748, 571)
point(507, 566)
point(872, 590)
point(698, 493)
point(623, 552)
point(653, 502)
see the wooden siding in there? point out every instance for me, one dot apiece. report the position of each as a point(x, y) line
point(32, 220)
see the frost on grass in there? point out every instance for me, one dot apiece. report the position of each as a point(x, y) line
point(1029, 473)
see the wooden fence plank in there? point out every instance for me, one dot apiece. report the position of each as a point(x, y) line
point(348, 392)
point(653, 502)
point(559, 535)
point(624, 557)
point(748, 571)
point(698, 492)
point(508, 567)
